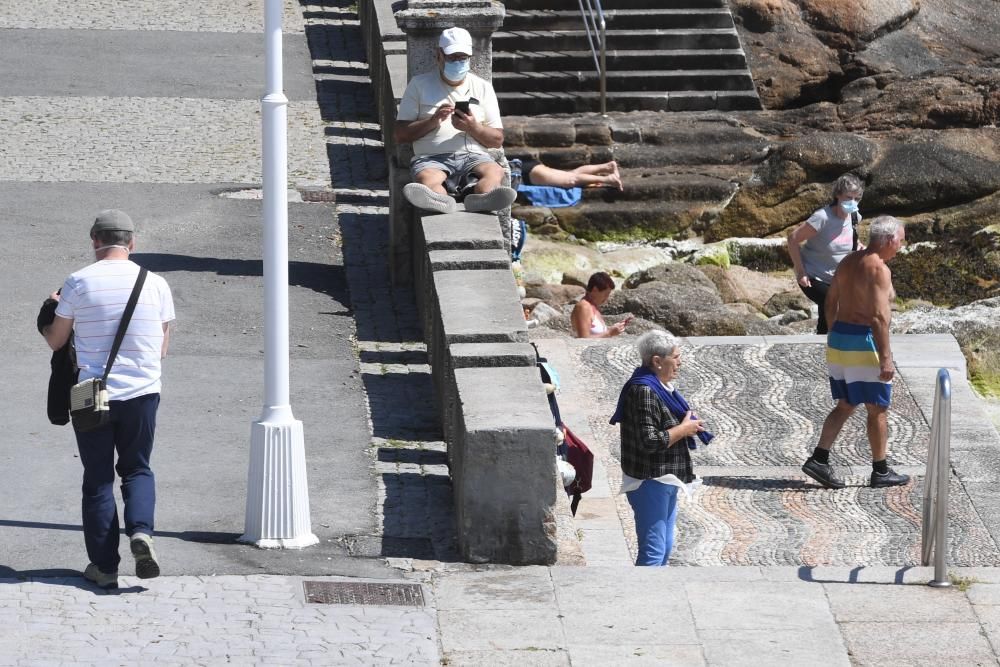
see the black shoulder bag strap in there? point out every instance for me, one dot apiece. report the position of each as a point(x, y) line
point(854, 227)
point(123, 325)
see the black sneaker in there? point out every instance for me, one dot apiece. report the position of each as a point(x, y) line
point(891, 478)
point(105, 580)
point(822, 473)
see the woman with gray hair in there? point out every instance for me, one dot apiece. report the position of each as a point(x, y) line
point(658, 433)
point(818, 244)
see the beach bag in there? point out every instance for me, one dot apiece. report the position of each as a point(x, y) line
point(579, 456)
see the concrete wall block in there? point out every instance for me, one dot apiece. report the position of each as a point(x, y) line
point(400, 226)
point(504, 474)
point(490, 355)
point(462, 231)
point(385, 18)
point(479, 306)
point(422, 284)
point(473, 355)
point(465, 260)
point(395, 64)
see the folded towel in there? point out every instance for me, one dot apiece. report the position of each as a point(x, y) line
point(550, 196)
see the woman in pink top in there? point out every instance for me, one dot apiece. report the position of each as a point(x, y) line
point(587, 319)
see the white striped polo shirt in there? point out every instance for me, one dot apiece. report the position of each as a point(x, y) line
point(94, 298)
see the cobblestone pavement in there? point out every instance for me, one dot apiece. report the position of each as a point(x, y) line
point(211, 15)
point(766, 404)
point(205, 621)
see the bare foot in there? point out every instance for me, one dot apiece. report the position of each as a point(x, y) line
point(615, 179)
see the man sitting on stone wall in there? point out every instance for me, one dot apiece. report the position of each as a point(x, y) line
point(451, 117)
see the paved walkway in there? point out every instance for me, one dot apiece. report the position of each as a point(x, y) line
point(531, 616)
point(152, 108)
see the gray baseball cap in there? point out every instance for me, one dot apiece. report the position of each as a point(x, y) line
point(112, 220)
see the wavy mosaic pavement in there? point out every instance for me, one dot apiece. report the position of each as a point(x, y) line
point(766, 404)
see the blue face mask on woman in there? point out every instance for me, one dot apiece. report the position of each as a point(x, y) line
point(456, 71)
point(850, 206)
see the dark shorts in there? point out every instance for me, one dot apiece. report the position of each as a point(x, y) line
point(526, 167)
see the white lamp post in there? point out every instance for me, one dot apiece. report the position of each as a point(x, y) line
point(277, 492)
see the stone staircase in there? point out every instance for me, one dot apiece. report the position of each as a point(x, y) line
point(679, 170)
point(663, 55)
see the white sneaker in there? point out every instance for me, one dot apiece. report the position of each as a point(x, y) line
point(426, 199)
point(496, 199)
point(146, 566)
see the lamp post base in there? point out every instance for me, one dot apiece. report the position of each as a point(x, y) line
point(277, 515)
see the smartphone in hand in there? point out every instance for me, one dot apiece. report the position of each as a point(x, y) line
point(463, 106)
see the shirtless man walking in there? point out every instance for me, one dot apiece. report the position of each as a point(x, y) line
point(858, 356)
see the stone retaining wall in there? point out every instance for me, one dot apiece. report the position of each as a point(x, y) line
point(493, 409)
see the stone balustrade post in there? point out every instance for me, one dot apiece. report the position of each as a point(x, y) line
point(423, 21)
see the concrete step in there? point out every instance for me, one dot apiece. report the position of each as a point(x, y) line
point(645, 185)
point(659, 39)
point(556, 102)
point(649, 80)
point(626, 60)
point(661, 184)
point(596, 220)
point(619, 19)
point(524, 134)
point(608, 5)
point(684, 156)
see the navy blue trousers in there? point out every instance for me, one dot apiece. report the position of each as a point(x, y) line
point(130, 434)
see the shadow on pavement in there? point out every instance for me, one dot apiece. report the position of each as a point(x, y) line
point(401, 406)
point(60, 577)
point(757, 484)
point(323, 278)
point(806, 574)
point(200, 536)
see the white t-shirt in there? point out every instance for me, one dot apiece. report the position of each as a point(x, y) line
point(833, 242)
point(427, 92)
point(94, 298)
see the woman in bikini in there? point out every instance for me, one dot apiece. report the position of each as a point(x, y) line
point(587, 319)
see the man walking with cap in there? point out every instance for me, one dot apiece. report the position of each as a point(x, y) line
point(91, 304)
point(451, 117)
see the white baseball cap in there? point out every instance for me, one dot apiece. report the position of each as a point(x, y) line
point(456, 40)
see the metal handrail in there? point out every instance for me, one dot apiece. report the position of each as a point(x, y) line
point(934, 530)
point(594, 23)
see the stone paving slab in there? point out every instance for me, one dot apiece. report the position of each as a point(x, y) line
point(205, 620)
point(719, 616)
point(776, 646)
point(918, 644)
point(917, 604)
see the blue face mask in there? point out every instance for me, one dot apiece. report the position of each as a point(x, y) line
point(850, 206)
point(456, 71)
